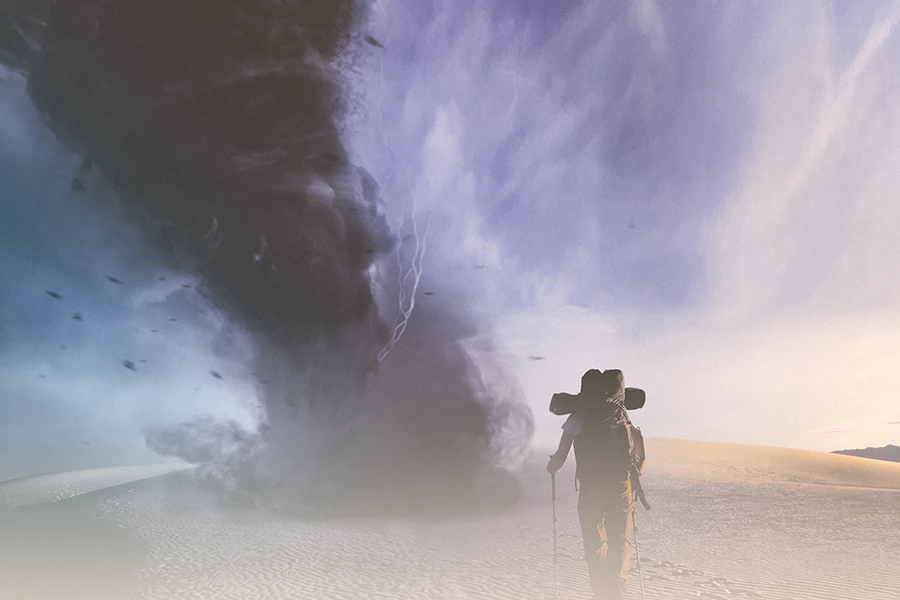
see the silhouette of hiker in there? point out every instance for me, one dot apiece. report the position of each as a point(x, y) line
point(602, 436)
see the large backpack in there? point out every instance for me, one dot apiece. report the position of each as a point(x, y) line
point(609, 446)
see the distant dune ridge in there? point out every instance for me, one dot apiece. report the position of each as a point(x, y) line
point(707, 461)
point(889, 453)
point(728, 521)
point(54, 487)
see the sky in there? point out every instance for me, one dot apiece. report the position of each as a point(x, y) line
point(701, 195)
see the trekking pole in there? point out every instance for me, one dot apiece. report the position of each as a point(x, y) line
point(637, 550)
point(555, 567)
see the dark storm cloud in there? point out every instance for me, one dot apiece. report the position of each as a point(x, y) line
point(220, 126)
point(215, 120)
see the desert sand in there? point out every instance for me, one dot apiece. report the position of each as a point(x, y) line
point(53, 487)
point(727, 522)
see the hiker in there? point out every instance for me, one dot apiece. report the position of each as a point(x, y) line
point(605, 467)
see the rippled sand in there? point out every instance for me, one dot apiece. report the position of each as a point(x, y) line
point(727, 522)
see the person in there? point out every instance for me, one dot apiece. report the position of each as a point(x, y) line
point(600, 431)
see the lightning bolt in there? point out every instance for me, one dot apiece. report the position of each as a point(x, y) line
point(517, 79)
point(414, 271)
point(409, 272)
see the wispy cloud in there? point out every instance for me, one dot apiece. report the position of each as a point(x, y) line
point(705, 198)
point(803, 209)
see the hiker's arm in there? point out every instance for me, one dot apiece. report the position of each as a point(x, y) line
point(558, 459)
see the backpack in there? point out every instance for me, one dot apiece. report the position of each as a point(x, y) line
point(608, 446)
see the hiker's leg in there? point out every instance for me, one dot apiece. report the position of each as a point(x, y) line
point(590, 516)
point(618, 523)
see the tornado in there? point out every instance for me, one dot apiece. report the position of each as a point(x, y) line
point(220, 124)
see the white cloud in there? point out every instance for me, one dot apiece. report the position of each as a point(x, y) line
point(502, 134)
point(805, 201)
point(716, 189)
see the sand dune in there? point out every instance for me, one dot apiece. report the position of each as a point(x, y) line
point(59, 486)
point(760, 464)
point(728, 522)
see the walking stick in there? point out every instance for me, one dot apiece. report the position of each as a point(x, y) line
point(555, 567)
point(637, 549)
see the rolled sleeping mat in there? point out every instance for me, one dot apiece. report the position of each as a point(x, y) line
point(566, 404)
point(635, 398)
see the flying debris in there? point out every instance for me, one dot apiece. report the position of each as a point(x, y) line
point(316, 321)
point(77, 186)
point(216, 375)
point(85, 443)
point(113, 279)
point(373, 42)
point(160, 278)
point(129, 365)
point(42, 376)
point(154, 331)
point(54, 295)
point(479, 267)
point(77, 317)
point(536, 358)
point(173, 319)
point(631, 226)
point(62, 346)
point(143, 360)
point(429, 293)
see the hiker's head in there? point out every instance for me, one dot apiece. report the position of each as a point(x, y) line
point(602, 384)
point(614, 382)
point(593, 383)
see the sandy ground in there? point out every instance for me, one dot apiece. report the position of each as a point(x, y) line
point(54, 487)
point(727, 522)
